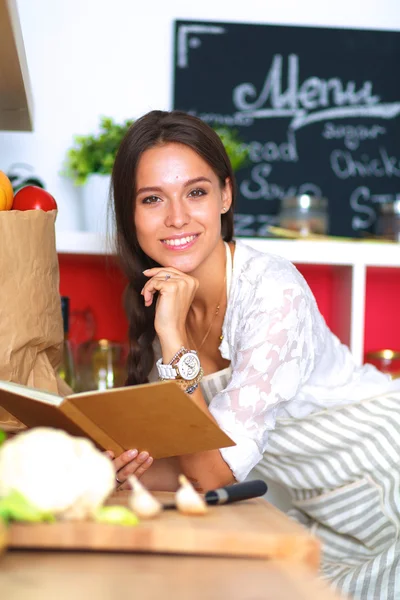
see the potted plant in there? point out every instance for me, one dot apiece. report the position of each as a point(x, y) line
point(95, 153)
point(90, 161)
point(89, 164)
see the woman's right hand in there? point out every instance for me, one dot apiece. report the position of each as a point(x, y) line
point(176, 292)
point(129, 463)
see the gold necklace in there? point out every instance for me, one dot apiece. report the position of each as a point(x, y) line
point(212, 320)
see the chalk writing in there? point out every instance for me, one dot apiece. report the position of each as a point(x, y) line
point(352, 135)
point(320, 118)
point(365, 215)
point(273, 151)
point(258, 187)
point(344, 165)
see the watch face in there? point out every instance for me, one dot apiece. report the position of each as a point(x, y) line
point(189, 366)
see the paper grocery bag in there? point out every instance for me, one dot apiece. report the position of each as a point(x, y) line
point(31, 328)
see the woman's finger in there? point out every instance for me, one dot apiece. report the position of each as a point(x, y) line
point(142, 462)
point(157, 284)
point(138, 471)
point(124, 458)
point(160, 270)
point(137, 467)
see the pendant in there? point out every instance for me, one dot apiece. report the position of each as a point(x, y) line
point(221, 337)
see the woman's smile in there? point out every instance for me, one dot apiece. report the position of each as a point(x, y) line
point(178, 205)
point(180, 242)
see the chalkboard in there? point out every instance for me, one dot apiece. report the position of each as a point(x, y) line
point(318, 107)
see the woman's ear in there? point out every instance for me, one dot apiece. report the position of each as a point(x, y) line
point(226, 195)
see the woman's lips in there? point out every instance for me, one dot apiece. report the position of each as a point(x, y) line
point(181, 243)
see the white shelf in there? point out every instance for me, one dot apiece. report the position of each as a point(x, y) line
point(332, 252)
point(298, 251)
point(82, 242)
point(349, 259)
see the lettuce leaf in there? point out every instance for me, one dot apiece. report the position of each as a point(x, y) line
point(15, 507)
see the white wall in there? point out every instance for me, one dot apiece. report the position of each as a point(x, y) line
point(88, 58)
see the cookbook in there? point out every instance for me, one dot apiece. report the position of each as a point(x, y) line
point(157, 417)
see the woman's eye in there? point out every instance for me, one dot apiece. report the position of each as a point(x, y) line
point(151, 200)
point(197, 193)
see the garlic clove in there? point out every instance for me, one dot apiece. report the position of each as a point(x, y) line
point(143, 504)
point(187, 500)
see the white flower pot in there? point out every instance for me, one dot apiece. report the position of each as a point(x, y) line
point(96, 207)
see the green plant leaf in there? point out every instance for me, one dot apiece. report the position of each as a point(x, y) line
point(2, 436)
point(236, 149)
point(15, 507)
point(95, 153)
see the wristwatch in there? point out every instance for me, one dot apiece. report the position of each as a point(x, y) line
point(184, 365)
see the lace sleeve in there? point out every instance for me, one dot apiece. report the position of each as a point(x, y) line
point(272, 356)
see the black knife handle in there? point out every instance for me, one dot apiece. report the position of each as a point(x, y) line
point(236, 492)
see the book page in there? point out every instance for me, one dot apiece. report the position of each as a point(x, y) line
point(28, 392)
point(158, 417)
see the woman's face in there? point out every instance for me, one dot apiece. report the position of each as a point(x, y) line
point(178, 206)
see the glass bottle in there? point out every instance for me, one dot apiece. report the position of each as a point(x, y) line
point(66, 369)
point(388, 224)
point(101, 365)
point(306, 214)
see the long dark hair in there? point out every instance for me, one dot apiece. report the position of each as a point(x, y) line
point(155, 128)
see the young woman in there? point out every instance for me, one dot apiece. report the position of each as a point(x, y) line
point(246, 328)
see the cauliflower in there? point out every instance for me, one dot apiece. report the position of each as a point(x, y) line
point(56, 472)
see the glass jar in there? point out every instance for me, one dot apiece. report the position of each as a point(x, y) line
point(387, 361)
point(101, 365)
point(388, 224)
point(305, 213)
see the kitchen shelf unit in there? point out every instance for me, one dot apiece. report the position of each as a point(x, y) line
point(349, 261)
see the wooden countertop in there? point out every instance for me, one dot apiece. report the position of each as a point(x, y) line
point(248, 550)
point(98, 576)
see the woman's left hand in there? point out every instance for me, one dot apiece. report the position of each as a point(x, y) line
point(129, 463)
point(176, 293)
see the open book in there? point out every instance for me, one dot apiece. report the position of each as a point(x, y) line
point(157, 417)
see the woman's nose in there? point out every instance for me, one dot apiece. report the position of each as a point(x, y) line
point(177, 215)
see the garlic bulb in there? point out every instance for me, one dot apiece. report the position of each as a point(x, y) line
point(143, 504)
point(187, 500)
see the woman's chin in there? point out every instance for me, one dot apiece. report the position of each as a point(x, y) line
point(182, 265)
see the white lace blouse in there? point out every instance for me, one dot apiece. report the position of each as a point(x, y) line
point(285, 361)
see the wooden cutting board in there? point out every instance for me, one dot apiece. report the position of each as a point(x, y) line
point(251, 528)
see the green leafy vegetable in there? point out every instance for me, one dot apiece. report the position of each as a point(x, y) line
point(2, 437)
point(15, 507)
point(116, 515)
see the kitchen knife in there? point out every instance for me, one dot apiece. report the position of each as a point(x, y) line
point(236, 492)
point(232, 493)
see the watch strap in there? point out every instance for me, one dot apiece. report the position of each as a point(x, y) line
point(166, 371)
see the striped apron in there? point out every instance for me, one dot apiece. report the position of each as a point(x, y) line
point(342, 469)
